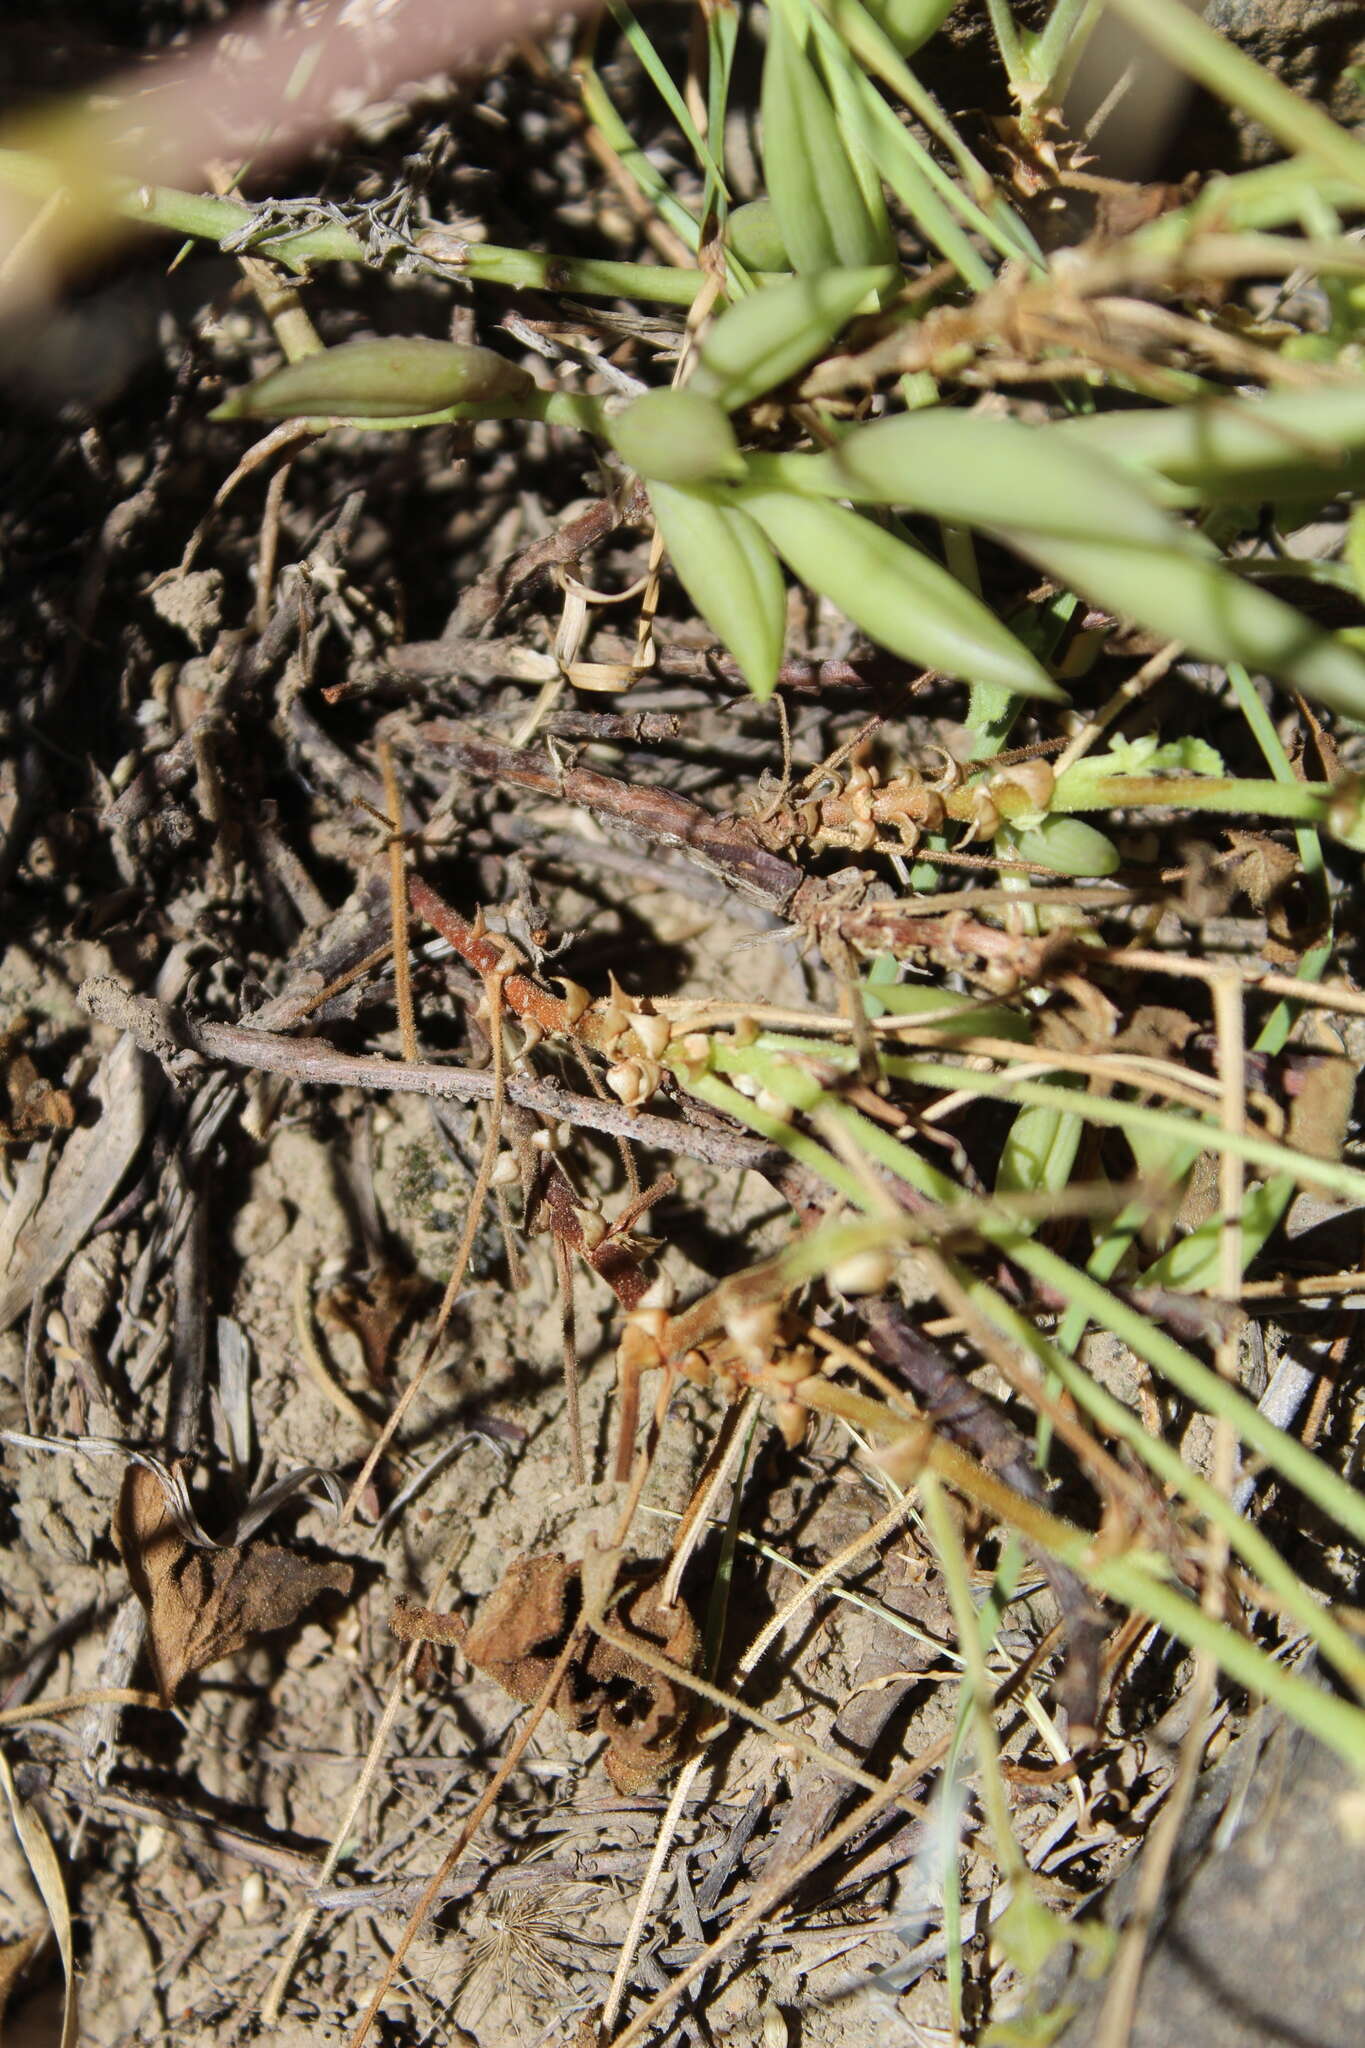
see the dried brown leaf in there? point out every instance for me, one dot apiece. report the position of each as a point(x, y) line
point(1321, 1099)
point(1156, 1031)
point(372, 1311)
point(521, 1629)
point(35, 1106)
point(203, 1604)
point(1260, 866)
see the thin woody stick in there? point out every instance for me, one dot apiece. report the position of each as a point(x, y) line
point(398, 903)
point(176, 1036)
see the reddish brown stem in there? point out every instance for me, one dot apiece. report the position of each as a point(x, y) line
point(725, 844)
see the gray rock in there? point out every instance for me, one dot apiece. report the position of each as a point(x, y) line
point(1261, 1942)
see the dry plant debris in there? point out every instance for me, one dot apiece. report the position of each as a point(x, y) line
point(524, 1624)
point(865, 1166)
point(202, 1605)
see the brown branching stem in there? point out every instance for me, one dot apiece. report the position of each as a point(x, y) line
point(176, 1037)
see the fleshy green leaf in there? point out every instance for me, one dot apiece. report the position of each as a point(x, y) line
point(408, 375)
point(731, 575)
point(677, 437)
point(1067, 844)
point(899, 597)
point(768, 337)
point(1039, 1154)
point(822, 209)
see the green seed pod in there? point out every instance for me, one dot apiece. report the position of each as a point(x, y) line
point(762, 340)
point(731, 575)
point(379, 380)
point(823, 212)
point(1067, 844)
point(677, 437)
point(754, 237)
point(897, 595)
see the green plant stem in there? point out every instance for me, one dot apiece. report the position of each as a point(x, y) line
point(1272, 197)
point(1207, 1389)
point(1140, 1580)
point(1060, 43)
point(1325, 1487)
point(1274, 1033)
point(846, 29)
point(1131, 1116)
point(215, 220)
point(1027, 1930)
point(1010, 45)
point(1108, 1254)
point(1087, 787)
point(869, 42)
point(991, 712)
point(1257, 1553)
point(722, 37)
point(657, 72)
point(598, 107)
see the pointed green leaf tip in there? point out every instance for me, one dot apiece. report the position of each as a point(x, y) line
point(764, 339)
point(382, 380)
point(899, 597)
point(677, 437)
point(731, 575)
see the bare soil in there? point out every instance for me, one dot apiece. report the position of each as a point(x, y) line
point(181, 812)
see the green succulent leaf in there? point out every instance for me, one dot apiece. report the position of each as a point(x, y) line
point(899, 597)
point(1280, 445)
point(754, 237)
point(677, 437)
point(885, 997)
point(762, 340)
point(974, 471)
point(1039, 1154)
point(822, 206)
point(1189, 596)
point(1067, 844)
point(731, 575)
point(1193, 1264)
point(1092, 529)
point(910, 23)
